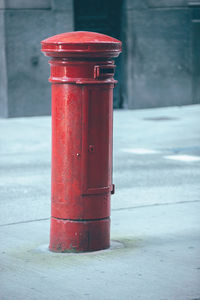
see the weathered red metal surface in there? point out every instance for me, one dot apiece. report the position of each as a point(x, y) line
point(81, 44)
point(82, 117)
point(79, 236)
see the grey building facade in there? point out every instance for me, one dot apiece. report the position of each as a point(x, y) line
point(159, 66)
point(162, 62)
point(24, 87)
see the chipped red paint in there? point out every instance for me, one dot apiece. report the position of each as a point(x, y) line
point(82, 72)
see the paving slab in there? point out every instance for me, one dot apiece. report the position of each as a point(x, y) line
point(155, 228)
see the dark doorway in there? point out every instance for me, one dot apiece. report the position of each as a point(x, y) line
point(103, 16)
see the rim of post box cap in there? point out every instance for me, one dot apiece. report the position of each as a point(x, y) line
point(81, 44)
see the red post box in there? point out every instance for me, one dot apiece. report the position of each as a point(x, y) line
point(82, 72)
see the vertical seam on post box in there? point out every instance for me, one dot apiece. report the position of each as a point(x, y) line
point(84, 138)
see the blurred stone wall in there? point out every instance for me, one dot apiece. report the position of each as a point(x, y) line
point(159, 66)
point(24, 87)
point(161, 57)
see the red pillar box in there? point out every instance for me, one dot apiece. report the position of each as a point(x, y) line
point(82, 72)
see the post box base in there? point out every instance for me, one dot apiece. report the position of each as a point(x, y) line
point(79, 236)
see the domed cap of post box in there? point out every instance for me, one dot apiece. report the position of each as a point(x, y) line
point(81, 44)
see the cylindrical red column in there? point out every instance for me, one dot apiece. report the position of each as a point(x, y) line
point(82, 72)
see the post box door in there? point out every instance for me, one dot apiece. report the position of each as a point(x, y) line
point(97, 118)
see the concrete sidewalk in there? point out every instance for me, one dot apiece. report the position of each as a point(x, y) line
point(155, 232)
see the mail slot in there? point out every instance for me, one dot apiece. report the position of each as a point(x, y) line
point(104, 71)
